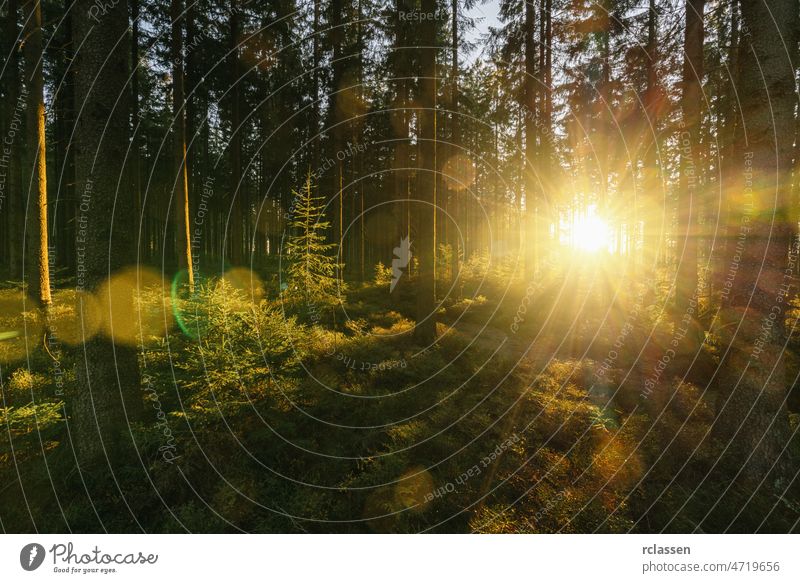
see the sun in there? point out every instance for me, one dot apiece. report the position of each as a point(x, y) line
point(590, 234)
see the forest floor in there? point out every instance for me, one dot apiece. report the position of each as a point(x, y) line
point(529, 414)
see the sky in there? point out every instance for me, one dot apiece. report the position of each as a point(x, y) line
point(485, 14)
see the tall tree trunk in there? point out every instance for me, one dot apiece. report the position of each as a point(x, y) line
point(180, 193)
point(14, 162)
point(63, 207)
point(425, 328)
point(315, 108)
point(107, 374)
point(731, 123)
point(604, 115)
point(531, 177)
point(652, 207)
point(751, 412)
point(400, 126)
point(136, 129)
point(690, 166)
point(358, 133)
point(338, 22)
point(451, 221)
point(237, 215)
point(37, 260)
point(548, 210)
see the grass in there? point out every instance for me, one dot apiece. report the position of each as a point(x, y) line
point(281, 422)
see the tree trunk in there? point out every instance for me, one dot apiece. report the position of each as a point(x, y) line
point(652, 206)
point(63, 207)
point(731, 122)
point(106, 388)
point(180, 193)
point(690, 168)
point(315, 137)
point(425, 328)
point(236, 223)
point(451, 218)
point(751, 412)
point(604, 123)
point(37, 259)
point(531, 229)
point(14, 161)
point(136, 128)
point(401, 130)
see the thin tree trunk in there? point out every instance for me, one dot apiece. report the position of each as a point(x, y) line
point(652, 208)
point(401, 129)
point(237, 211)
point(451, 221)
point(533, 255)
point(604, 123)
point(425, 328)
point(136, 126)
point(14, 117)
point(732, 121)
point(64, 208)
point(37, 246)
point(180, 193)
point(315, 108)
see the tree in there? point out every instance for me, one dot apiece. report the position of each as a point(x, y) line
point(316, 64)
point(312, 270)
point(13, 118)
point(652, 222)
point(752, 419)
point(529, 93)
point(237, 214)
point(107, 375)
point(425, 328)
point(180, 192)
point(729, 125)
point(451, 222)
point(401, 58)
point(689, 188)
point(37, 259)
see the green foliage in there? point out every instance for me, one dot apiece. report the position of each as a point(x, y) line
point(245, 350)
point(33, 417)
point(383, 275)
point(355, 426)
point(312, 269)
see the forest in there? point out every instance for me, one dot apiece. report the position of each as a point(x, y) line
point(403, 266)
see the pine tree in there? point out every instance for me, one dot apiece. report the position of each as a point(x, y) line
point(312, 269)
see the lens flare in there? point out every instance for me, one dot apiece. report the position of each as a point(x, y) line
point(135, 306)
point(74, 316)
point(21, 325)
point(589, 233)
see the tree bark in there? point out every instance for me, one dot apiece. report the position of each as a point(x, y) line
point(106, 392)
point(451, 218)
point(752, 420)
point(237, 217)
point(136, 128)
point(690, 169)
point(531, 231)
point(37, 258)
point(14, 161)
point(653, 211)
point(180, 193)
point(425, 328)
point(731, 121)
